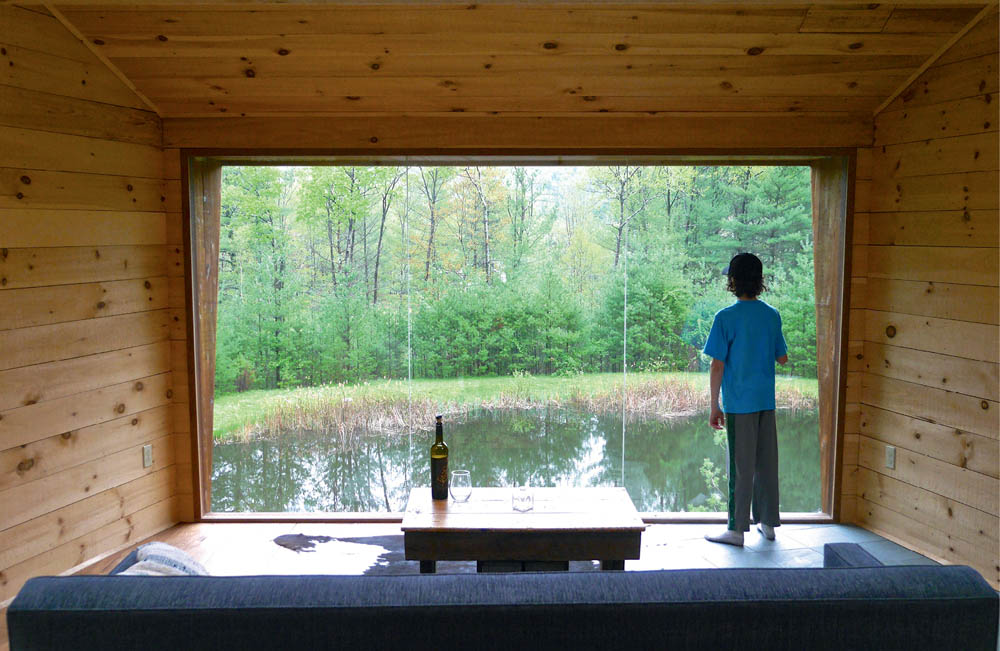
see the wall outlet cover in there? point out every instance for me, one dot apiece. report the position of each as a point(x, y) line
point(890, 456)
point(147, 455)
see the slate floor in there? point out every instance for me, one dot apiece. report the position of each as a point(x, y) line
point(678, 546)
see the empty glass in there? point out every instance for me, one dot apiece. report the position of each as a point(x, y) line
point(461, 486)
point(522, 498)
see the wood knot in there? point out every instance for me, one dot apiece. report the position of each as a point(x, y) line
point(890, 331)
point(726, 85)
point(621, 47)
point(19, 195)
point(25, 465)
point(352, 98)
point(373, 140)
point(754, 51)
point(170, 393)
point(120, 408)
point(148, 285)
point(375, 66)
point(916, 435)
point(549, 45)
point(250, 72)
point(135, 421)
point(590, 98)
point(161, 38)
point(67, 435)
point(98, 41)
point(101, 305)
point(3, 253)
point(139, 386)
point(856, 46)
point(26, 180)
point(984, 404)
point(282, 52)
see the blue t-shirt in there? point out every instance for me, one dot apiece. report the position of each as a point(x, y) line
point(747, 337)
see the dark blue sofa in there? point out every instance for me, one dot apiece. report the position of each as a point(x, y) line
point(902, 607)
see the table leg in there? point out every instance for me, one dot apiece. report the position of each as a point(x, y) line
point(613, 565)
point(428, 567)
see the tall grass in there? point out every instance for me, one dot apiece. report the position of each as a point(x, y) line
point(348, 411)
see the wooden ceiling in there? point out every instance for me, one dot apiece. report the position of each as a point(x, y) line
point(515, 59)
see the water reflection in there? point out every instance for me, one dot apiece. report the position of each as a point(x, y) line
point(674, 466)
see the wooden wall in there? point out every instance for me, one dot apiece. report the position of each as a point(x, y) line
point(929, 340)
point(85, 352)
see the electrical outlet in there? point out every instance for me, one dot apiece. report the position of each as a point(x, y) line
point(147, 455)
point(890, 456)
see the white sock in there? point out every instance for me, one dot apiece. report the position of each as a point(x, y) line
point(728, 537)
point(767, 530)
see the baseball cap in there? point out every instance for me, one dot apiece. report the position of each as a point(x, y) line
point(745, 266)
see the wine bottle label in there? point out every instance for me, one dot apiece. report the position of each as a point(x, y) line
point(439, 478)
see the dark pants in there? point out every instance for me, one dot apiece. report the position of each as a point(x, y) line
point(753, 469)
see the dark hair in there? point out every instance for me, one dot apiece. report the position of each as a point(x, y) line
point(749, 287)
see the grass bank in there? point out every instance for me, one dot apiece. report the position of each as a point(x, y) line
point(388, 405)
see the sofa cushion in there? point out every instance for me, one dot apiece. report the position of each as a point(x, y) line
point(848, 555)
point(906, 607)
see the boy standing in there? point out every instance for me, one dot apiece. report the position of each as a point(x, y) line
point(744, 343)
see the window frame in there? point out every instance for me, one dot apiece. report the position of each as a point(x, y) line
point(833, 182)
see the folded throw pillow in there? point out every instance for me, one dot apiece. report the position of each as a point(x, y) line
point(161, 559)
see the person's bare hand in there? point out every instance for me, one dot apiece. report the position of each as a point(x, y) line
point(716, 418)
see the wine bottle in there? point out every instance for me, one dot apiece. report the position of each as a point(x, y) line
point(439, 463)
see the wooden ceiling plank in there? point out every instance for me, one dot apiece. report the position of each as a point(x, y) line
point(298, 19)
point(850, 19)
point(527, 43)
point(599, 105)
point(942, 20)
point(491, 66)
point(857, 84)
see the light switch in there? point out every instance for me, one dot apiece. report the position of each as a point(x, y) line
point(890, 456)
point(147, 455)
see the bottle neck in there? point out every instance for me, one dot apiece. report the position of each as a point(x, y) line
point(438, 433)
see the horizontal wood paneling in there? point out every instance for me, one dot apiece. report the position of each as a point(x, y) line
point(134, 526)
point(976, 415)
point(26, 501)
point(83, 292)
point(936, 228)
point(27, 346)
point(44, 458)
point(955, 446)
point(942, 300)
point(979, 41)
point(66, 153)
point(23, 308)
point(34, 384)
point(47, 112)
point(34, 70)
point(968, 376)
point(964, 265)
point(23, 425)
point(19, 543)
point(962, 191)
point(26, 228)
point(960, 484)
point(960, 117)
point(949, 82)
point(939, 543)
point(475, 133)
point(971, 153)
point(36, 267)
point(27, 188)
point(976, 341)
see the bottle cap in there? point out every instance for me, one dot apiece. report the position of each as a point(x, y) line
point(438, 417)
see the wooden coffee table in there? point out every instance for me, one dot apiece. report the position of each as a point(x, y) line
point(566, 524)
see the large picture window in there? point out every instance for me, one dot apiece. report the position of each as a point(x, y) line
point(554, 314)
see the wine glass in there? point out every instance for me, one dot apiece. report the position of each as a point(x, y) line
point(461, 486)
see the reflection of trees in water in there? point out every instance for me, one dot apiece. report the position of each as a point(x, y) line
point(306, 471)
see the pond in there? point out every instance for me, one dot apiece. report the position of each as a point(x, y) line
point(678, 465)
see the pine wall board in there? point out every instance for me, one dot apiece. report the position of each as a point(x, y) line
point(86, 375)
point(930, 356)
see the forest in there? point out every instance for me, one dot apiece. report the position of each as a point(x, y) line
point(331, 274)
